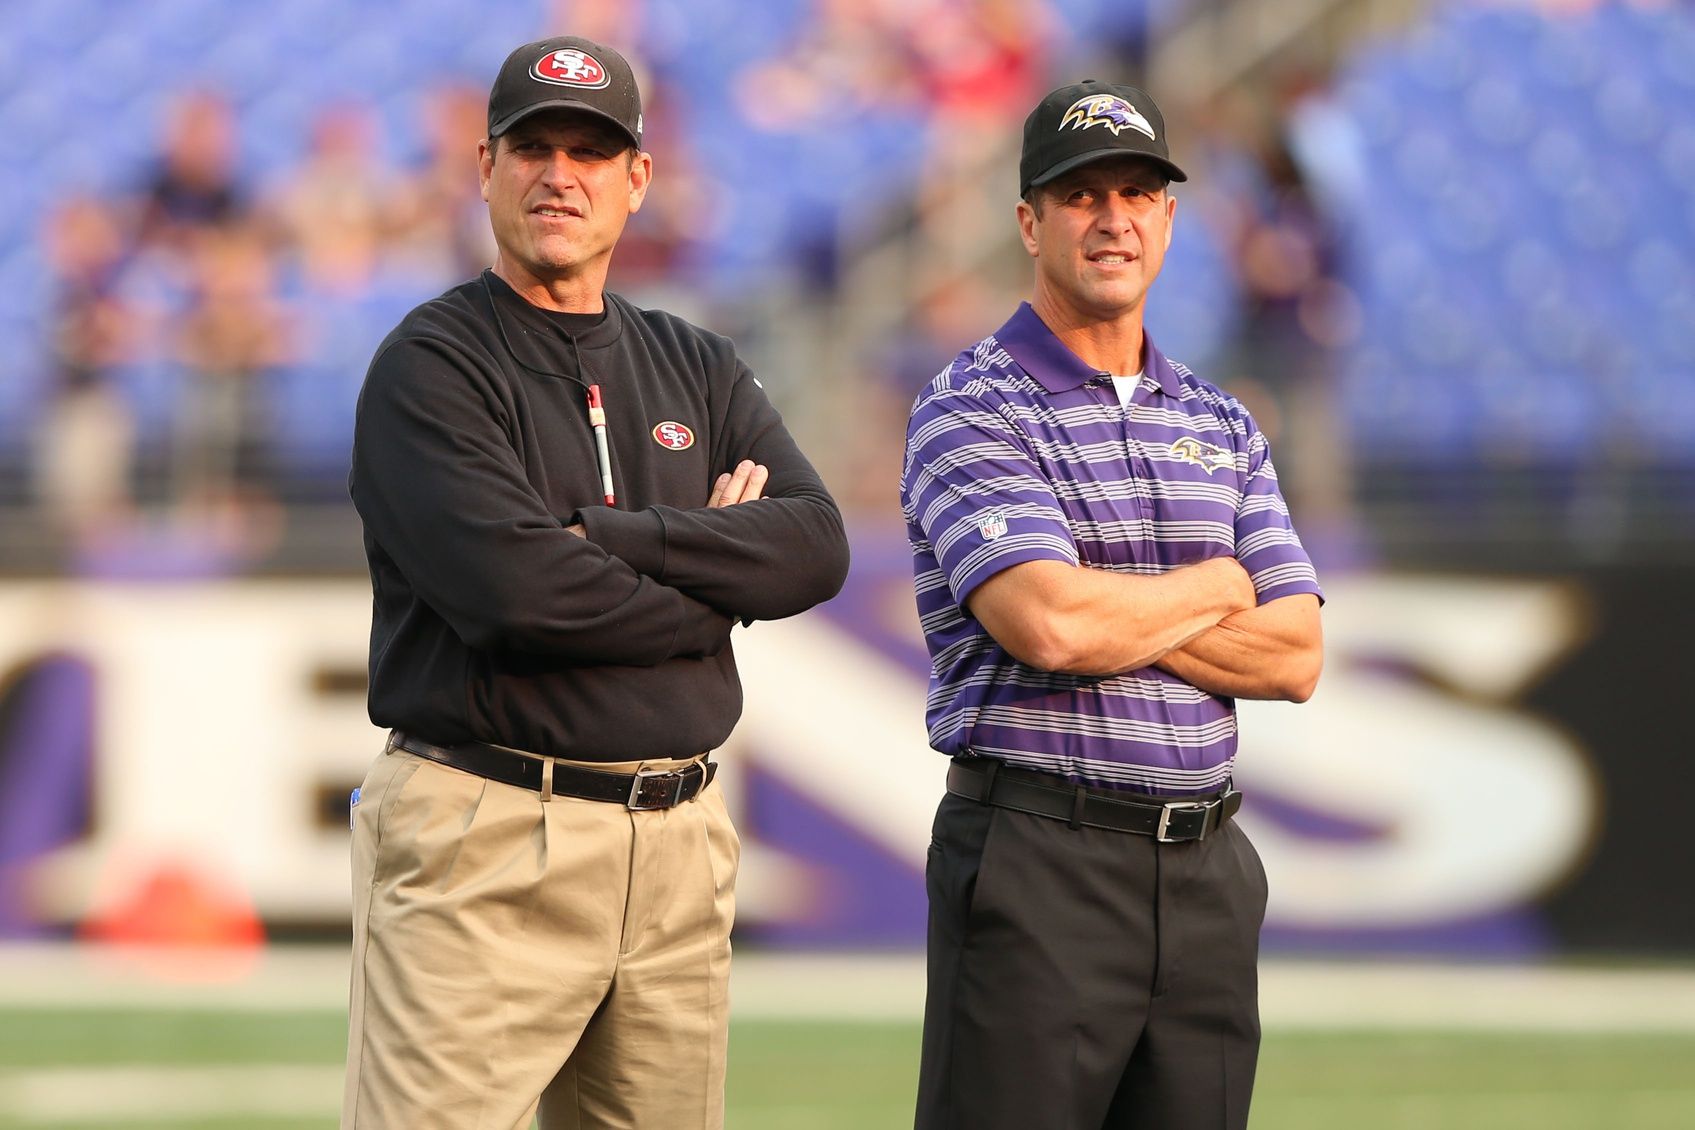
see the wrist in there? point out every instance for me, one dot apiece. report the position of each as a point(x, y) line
point(1236, 588)
point(635, 537)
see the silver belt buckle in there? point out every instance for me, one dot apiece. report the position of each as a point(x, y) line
point(1177, 806)
point(656, 788)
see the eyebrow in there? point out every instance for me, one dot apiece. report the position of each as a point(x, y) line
point(1151, 183)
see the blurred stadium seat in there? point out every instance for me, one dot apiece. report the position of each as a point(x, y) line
point(1515, 189)
point(1526, 220)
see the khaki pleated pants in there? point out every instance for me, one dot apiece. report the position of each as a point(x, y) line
point(511, 953)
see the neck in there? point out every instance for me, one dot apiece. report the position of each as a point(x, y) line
point(582, 293)
point(1111, 345)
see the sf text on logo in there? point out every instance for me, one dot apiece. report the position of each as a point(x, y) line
point(673, 436)
point(571, 67)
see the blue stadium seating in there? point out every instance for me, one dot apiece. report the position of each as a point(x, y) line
point(280, 63)
point(1522, 242)
point(1521, 238)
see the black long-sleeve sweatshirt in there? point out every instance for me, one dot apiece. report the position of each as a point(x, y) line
point(491, 620)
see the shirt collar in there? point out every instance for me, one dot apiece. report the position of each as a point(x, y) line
point(1038, 352)
point(534, 333)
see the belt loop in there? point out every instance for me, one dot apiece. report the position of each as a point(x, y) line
point(1078, 796)
point(989, 780)
point(546, 779)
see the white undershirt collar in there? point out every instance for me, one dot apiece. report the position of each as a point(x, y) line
point(1126, 387)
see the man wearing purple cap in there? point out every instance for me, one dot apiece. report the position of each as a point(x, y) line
point(1103, 564)
point(568, 503)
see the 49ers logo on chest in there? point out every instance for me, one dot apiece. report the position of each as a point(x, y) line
point(571, 67)
point(673, 436)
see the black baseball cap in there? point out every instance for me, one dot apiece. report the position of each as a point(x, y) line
point(566, 72)
point(1088, 121)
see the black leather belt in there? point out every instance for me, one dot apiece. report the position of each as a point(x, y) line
point(989, 781)
point(644, 790)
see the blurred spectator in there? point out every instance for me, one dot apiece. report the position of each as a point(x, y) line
point(980, 64)
point(980, 61)
point(1296, 315)
point(329, 209)
point(440, 224)
point(86, 442)
point(604, 21)
point(194, 185)
point(684, 210)
point(874, 405)
point(852, 56)
point(234, 330)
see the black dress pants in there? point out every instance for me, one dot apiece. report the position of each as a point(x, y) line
point(1087, 979)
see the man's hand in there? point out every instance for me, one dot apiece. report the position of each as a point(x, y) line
point(744, 484)
point(1240, 586)
point(1272, 651)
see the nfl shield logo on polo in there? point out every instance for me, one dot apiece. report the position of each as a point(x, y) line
point(992, 525)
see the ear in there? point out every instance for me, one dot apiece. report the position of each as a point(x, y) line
point(641, 175)
point(1028, 222)
point(485, 164)
point(1170, 215)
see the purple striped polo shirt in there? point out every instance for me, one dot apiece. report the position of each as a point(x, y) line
point(1019, 451)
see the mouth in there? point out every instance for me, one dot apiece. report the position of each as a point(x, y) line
point(1112, 258)
point(557, 211)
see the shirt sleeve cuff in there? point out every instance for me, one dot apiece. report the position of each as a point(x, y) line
point(981, 570)
point(1281, 589)
point(635, 537)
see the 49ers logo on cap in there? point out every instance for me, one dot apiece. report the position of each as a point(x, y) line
point(673, 436)
point(571, 67)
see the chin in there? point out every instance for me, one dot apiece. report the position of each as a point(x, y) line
point(1116, 303)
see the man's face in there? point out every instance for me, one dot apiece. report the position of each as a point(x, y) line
point(1099, 236)
point(560, 187)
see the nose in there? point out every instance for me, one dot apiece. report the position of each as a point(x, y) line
point(1113, 215)
point(561, 170)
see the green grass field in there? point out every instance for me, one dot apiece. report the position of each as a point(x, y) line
point(141, 1070)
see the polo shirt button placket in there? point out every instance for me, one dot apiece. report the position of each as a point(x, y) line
point(1139, 467)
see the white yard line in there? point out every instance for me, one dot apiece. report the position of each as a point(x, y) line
point(276, 978)
point(1293, 994)
point(1315, 995)
point(111, 1096)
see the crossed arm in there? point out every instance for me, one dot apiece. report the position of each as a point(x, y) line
point(451, 517)
point(744, 484)
point(1274, 650)
point(1200, 622)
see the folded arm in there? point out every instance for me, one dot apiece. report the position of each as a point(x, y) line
point(1060, 617)
point(780, 551)
point(1273, 651)
point(442, 493)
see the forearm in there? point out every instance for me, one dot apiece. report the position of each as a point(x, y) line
point(530, 586)
point(778, 553)
point(763, 560)
point(1273, 651)
point(442, 495)
point(1085, 621)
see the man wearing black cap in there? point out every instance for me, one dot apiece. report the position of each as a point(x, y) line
point(1103, 565)
point(568, 503)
